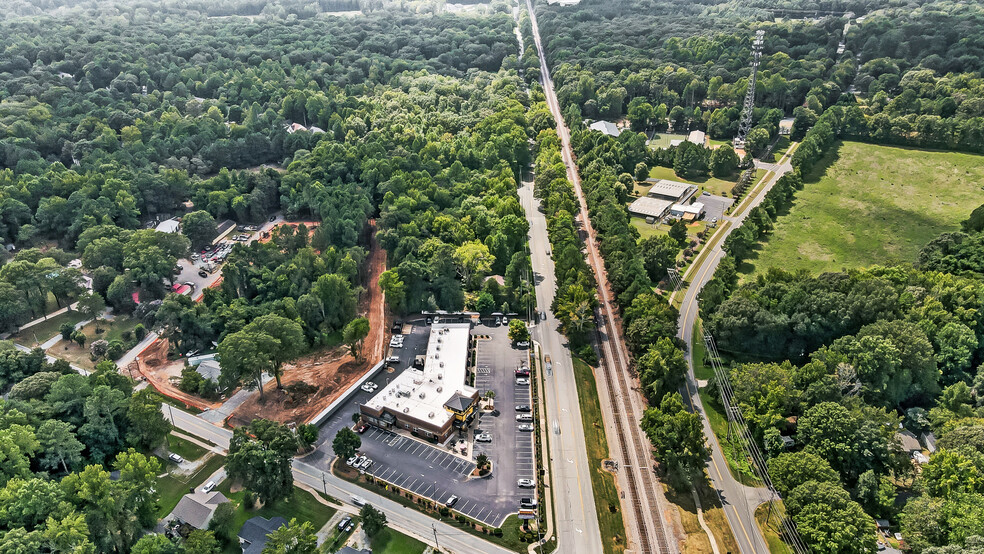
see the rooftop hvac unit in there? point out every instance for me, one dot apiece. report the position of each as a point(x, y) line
point(438, 347)
point(442, 364)
point(438, 339)
point(421, 395)
point(440, 376)
point(430, 415)
point(406, 410)
point(440, 389)
point(436, 356)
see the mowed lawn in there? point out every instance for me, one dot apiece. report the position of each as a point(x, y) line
point(872, 205)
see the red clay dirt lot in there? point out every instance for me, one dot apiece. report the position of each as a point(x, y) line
point(332, 371)
point(158, 371)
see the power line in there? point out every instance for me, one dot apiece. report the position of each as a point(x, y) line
point(738, 429)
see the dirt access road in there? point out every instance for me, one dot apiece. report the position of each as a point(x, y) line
point(329, 371)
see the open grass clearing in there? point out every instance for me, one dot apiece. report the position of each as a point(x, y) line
point(662, 140)
point(172, 487)
point(184, 448)
point(866, 204)
point(43, 331)
point(712, 185)
point(110, 330)
point(602, 482)
point(389, 541)
point(302, 505)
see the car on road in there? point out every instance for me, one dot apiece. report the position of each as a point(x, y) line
point(523, 344)
point(526, 483)
point(202, 274)
point(358, 501)
point(429, 321)
point(543, 316)
point(524, 417)
point(483, 437)
point(450, 502)
point(528, 427)
point(369, 386)
point(175, 458)
point(705, 193)
point(272, 218)
point(522, 381)
point(547, 363)
point(208, 486)
point(523, 408)
point(393, 359)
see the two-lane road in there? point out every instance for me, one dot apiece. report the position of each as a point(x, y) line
point(739, 500)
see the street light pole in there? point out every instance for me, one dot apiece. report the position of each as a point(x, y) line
point(436, 544)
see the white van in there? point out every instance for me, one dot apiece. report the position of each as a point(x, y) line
point(358, 501)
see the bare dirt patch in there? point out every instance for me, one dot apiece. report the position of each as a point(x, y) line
point(162, 374)
point(330, 371)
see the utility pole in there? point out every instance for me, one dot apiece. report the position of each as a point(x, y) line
point(324, 483)
point(436, 544)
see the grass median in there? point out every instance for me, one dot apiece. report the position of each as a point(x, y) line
point(602, 482)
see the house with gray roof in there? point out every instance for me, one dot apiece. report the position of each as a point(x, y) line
point(254, 533)
point(197, 508)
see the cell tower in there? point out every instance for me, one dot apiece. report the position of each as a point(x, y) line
point(745, 123)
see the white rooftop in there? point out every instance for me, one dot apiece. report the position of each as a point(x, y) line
point(168, 226)
point(695, 208)
point(421, 394)
point(606, 127)
point(696, 137)
point(647, 206)
point(671, 189)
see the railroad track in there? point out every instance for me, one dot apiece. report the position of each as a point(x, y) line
point(644, 498)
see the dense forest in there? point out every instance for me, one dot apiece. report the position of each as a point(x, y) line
point(116, 116)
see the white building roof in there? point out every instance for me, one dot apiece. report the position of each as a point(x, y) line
point(696, 208)
point(647, 206)
point(606, 127)
point(671, 190)
point(421, 394)
point(168, 226)
point(696, 137)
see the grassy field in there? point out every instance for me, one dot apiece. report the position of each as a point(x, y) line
point(184, 448)
point(302, 505)
point(869, 205)
point(697, 541)
point(79, 355)
point(389, 541)
point(663, 140)
point(713, 185)
point(602, 482)
point(776, 544)
point(172, 487)
point(46, 329)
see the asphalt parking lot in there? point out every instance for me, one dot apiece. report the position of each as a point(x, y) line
point(431, 470)
point(714, 206)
